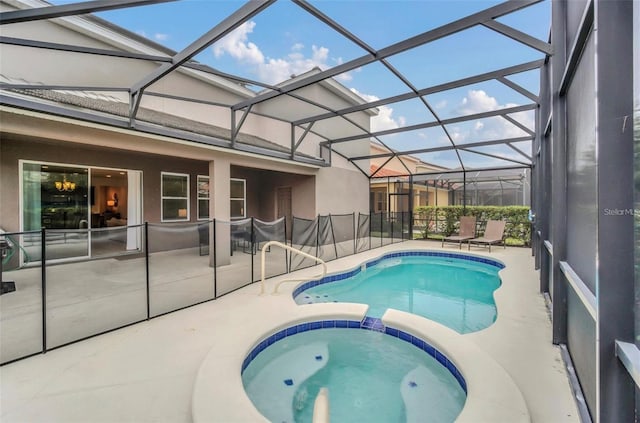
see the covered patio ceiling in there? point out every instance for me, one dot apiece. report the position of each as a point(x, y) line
point(497, 135)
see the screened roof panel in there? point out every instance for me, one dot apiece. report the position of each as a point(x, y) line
point(478, 160)
point(275, 45)
point(373, 82)
point(503, 174)
point(392, 166)
point(529, 80)
point(416, 16)
point(481, 130)
point(400, 115)
point(437, 178)
point(356, 148)
point(521, 20)
point(329, 96)
point(502, 151)
point(364, 165)
point(418, 139)
point(475, 98)
point(524, 147)
point(483, 50)
point(288, 108)
point(472, 176)
point(447, 159)
point(338, 127)
point(526, 119)
point(174, 25)
point(247, 80)
point(98, 71)
point(180, 84)
point(325, 67)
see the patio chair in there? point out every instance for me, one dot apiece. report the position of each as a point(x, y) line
point(466, 232)
point(493, 234)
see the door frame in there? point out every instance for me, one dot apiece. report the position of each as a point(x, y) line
point(289, 217)
point(90, 168)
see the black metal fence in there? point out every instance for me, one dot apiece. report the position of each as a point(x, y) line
point(63, 286)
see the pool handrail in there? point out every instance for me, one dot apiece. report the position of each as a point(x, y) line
point(295, 250)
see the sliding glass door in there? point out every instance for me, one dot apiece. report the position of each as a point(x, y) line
point(86, 210)
point(56, 197)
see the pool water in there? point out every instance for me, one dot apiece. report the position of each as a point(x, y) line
point(455, 292)
point(370, 376)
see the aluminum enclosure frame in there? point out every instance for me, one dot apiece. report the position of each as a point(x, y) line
point(610, 21)
point(173, 61)
point(592, 305)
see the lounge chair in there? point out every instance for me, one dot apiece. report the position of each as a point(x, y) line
point(467, 231)
point(493, 234)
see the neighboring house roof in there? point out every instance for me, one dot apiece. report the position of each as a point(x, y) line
point(382, 173)
point(420, 166)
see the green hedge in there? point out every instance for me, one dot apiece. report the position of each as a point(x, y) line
point(436, 221)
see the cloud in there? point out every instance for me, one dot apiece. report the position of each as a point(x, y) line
point(237, 45)
point(477, 101)
point(385, 119)
point(441, 104)
point(494, 128)
point(344, 77)
point(157, 36)
point(272, 70)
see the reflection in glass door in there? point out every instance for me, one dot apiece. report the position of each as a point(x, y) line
point(56, 197)
point(87, 211)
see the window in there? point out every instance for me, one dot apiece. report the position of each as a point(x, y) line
point(238, 198)
point(203, 197)
point(175, 197)
point(381, 205)
point(424, 198)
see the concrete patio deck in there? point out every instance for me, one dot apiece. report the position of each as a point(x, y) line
point(146, 372)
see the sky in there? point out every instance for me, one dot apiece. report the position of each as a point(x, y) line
point(284, 40)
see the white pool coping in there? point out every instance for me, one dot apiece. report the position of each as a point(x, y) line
point(228, 402)
point(146, 372)
point(492, 395)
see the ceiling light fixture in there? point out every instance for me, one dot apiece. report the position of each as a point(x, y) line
point(65, 185)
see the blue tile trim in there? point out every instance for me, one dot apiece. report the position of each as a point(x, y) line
point(340, 276)
point(432, 351)
point(372, 323)
point(368, 323)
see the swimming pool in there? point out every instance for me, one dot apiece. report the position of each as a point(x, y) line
point(453, 289)
point(376, 375)
point(219, 393)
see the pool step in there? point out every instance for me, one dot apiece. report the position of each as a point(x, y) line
point(372, 323)
point(418, 394)
point(285, 376)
